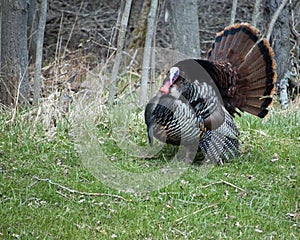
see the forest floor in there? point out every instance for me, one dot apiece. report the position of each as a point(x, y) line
point(49, 189)
point(52, 157)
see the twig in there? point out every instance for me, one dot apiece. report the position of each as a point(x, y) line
point(72, 29)
point(188, 202)
point(18, 95)
point(94, 194)
point(226, 183)
point(232, 185)
point(296, 35)
point(214, 183)
point(195, 212)
point(293, 29)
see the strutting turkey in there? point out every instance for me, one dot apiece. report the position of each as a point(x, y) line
point(198, 99)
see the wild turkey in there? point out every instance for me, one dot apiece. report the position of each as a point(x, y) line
point(198, 99)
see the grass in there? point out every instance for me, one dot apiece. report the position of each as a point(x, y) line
point(46, 192)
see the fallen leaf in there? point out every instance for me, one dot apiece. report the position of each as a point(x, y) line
point(291, 215)
point(258, 230)
point(275, 158)
point(114, 236)
point(238, 225)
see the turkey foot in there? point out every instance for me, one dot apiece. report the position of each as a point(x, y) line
point(189, 153)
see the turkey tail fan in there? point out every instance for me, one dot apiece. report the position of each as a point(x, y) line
point(233, 43)
point(252, 58)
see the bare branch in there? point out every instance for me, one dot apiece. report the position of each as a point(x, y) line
point(232, 185)
point(195, 212)
point(73, 27)
point(233, 11)
point(224, 182)
point(274, 18)
point(296, 36)
point(93, 194)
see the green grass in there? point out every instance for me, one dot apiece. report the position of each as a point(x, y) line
point(213, 206)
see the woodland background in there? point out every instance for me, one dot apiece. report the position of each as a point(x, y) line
point(80, 35)
point(47, 191)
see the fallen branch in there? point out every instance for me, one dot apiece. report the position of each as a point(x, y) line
point(93, 194)
point(226, 183)
point(232, 185)
point(274, 18)
point(195, 212)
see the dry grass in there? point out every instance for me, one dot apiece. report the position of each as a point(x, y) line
point(47, 192)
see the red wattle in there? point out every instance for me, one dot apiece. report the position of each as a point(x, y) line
point(165, 88)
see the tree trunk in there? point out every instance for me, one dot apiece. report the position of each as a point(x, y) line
point(148, 51)
point(120, 46)
point(138, 23)
point(32, 23)
point(256, 12)
point(14, 86)
point(233, 11)
point(280, 37)
point(39, 50)
point(185, 26)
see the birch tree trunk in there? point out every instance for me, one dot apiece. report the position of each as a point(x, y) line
point(256, 12)
point(120, 46)
point(39, 50)
point(147, 51)
point(233, 11)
